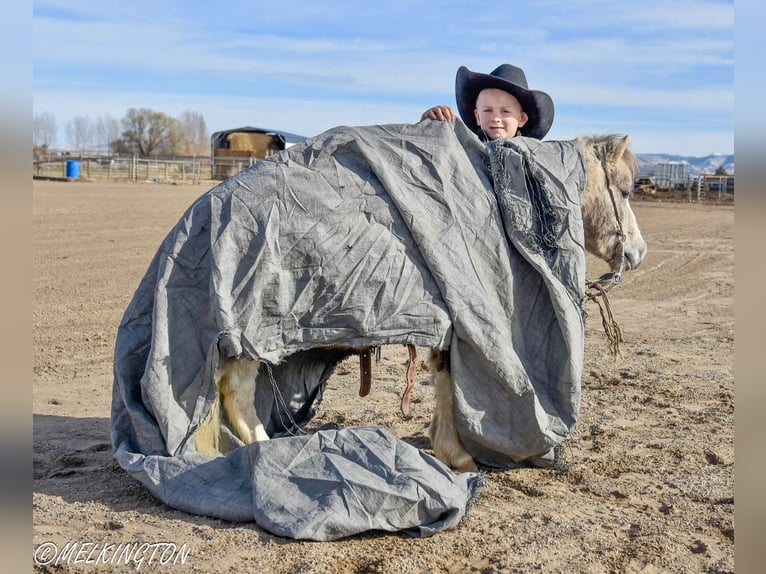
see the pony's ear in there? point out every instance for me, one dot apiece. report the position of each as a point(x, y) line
point(619, 146)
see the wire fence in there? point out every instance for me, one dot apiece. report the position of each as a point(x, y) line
point(133, 168)
point(197, 169)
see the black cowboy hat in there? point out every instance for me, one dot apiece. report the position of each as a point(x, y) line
point(537, 105)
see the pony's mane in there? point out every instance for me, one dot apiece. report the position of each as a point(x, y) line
point(605, 145)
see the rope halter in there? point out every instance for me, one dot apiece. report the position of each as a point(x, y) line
point(596, 290)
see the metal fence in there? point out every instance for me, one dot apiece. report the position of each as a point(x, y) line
point(134, 168)
point(703, 188)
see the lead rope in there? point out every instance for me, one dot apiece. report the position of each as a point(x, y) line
point(596, 290)
point(597, 293)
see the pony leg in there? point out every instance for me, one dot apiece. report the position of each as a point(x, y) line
point(207, 439)
point(444, 438)
point(236, 384)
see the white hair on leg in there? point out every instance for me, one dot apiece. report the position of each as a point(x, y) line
point(444, 438)
point(236, 383)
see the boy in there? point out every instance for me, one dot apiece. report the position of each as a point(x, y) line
point(498, 105)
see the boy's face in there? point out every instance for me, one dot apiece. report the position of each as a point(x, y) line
point(499, 114)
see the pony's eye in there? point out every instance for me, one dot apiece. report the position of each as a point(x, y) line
point(627, 194)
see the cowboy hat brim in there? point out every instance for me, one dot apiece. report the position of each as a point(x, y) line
point(537, 105)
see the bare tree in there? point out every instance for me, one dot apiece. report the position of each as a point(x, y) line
point(44, 130)
point(147, 133)
point(144, 132)
point(106, 131)
point(195, 137)
point(79, 133)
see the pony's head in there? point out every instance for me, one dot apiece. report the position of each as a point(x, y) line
point(611, 230)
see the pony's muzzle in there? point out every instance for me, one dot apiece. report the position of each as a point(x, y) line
point(634, 257)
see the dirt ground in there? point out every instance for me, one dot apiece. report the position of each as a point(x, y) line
point(649, 485)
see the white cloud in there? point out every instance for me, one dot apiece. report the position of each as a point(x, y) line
point(306, 66)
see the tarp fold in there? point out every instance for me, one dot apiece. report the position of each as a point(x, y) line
point(361, 236)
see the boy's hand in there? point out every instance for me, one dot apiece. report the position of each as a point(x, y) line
point(440, 113)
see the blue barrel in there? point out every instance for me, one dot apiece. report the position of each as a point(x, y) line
point(72, 168)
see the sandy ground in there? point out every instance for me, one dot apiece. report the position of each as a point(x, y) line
point(649, 485)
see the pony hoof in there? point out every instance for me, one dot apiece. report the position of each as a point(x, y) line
point(465, 465)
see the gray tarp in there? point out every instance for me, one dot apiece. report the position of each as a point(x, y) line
point(361, 236)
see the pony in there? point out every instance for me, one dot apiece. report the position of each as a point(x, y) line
point(611, 234)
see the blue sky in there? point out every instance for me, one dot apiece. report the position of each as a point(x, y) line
point(660, 71)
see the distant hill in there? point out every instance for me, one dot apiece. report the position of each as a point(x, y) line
point(694, 165)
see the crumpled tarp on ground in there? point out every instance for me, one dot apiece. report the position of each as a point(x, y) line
point(365, 236)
